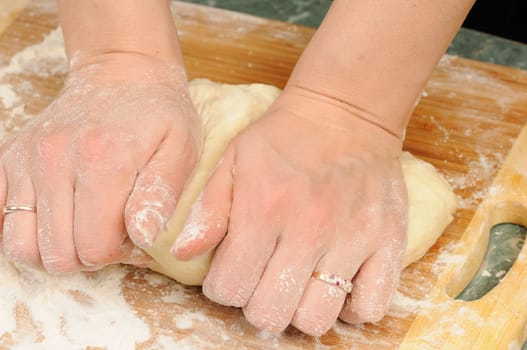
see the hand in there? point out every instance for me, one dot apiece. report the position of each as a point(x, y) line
point(309, 187)
point(122, 137)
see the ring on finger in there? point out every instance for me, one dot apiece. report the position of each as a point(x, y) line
point(334, 280)
point(9, 209)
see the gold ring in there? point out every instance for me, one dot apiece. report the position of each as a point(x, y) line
point(8, 209)
point(334, 280)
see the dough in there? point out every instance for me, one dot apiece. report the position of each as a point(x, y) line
point(228, 109)
point(431, 204)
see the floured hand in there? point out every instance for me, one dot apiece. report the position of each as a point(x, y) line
point(308, 187)
point(122, 137)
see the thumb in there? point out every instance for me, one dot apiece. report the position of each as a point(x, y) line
point(208, 220)
point(156, 192)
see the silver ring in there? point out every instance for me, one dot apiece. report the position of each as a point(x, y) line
point(8, 209)
point(334, 280)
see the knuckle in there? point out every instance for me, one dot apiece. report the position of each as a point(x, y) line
point(366, 304)
point(321, 216)
point(312, 323)
point(373, 313)
point(363, 313)
point(99, 255)
point(268, 319)
point(19, 252)
point(17, 249)
point(50, 148)
point(143, 224)
point(97, 149)
point(318, 223)
point(236, 297)
point(93, 144)
point(55, 262)
point(271, 199)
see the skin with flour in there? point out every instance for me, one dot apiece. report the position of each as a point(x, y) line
point(336, 128)
point(225, 111)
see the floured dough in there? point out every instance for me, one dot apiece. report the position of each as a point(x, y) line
point(431, 203)
point(228, 109)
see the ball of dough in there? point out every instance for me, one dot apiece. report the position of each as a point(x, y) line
point(226, 110)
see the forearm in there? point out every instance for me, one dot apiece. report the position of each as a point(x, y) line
point(94, 28)
point(376, 55)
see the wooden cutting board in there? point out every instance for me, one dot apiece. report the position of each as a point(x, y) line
point(465, 124)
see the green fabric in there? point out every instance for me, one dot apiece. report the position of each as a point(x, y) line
point(505, 243)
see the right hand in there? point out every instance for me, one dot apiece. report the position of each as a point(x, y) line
point(106, 161)
point(312, 186)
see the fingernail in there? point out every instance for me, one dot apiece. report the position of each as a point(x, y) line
point(148, 222)
point(194, 229)
point(190, 233)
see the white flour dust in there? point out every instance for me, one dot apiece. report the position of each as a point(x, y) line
point(44, 59)
point(74, 311)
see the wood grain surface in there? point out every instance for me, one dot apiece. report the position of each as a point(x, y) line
point(465, 124)
point(496, 320)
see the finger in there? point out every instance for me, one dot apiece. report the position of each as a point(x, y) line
point(237, 266)
point(20, 227)
point(242, 255)
point(280, 288)
point(373, 288)
point(207, 222)
point(3, 200)
point(55, 227)
point(322, 302)
point(102, 185)
point(156, 192)
point(55, 206)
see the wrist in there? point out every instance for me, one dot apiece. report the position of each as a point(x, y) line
point(344, 129)
point(378, 55)
point(353, 108)
point(93, 28)
point(127, 67)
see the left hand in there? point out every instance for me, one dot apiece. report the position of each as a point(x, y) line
point(309, 187)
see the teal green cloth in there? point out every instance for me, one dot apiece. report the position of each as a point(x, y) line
point(505, 243)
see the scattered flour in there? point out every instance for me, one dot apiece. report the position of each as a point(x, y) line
point(75, 311)
point(44, 59)
point(8, 95)
point(477, 180)
point(403, 306)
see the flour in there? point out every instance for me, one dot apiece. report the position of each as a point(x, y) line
point(8, 95)
point(44, 59)
point(443, 129)
point(403, 305)
point(195, 226)
point(477, 180)
point(61, 312)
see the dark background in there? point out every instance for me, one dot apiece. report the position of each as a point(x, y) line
point(505, 18)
